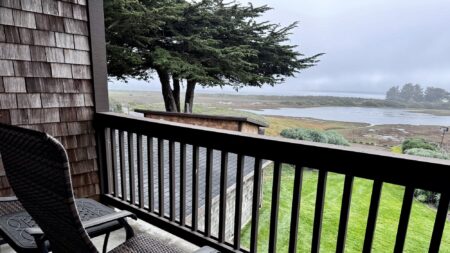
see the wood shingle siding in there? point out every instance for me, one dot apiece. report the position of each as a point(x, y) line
point(76, 27)
point(12, 34)
point(80, 12)
point(26, 36)
point(81, 42)
point(6, 68)
point(38, 53)
point(50, 7)
point(2, 34)
point(14, 85)
point(65, 9)
point(32, 5)
point(6, 16)
point(11, 4)
point(54, 54)
point(24, 19)
point(61, 71)
point(8, 101)
point(81, 72)
point(29, 101)
point(34, 116)
point(77, 57)
point(4, 117)
point(49, 23)
point(44, 38)
point(15, 52)
point(46, 80)
point(64, 40)
point(32, 69)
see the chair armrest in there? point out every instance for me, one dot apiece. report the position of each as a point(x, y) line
point(8, 199)
point(36, 231)
point(206, 249)
point(39, 238)
point(116, 216)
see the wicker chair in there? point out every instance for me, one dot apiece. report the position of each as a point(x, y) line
point(9, 205)
point(38, 170)
point(14, 219)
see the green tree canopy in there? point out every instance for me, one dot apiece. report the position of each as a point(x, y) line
point(433, 94)
point(208, 43)
point(416, 94)
point(393, 93)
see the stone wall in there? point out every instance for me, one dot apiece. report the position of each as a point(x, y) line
point(46, 82)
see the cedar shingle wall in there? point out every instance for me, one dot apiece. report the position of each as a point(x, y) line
point(45, 79)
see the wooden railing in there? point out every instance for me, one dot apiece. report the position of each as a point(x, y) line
point(152, 168)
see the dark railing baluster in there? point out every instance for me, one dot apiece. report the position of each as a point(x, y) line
point(318, 213)
point(115, 175)
point(274, 207)
point(150, 174)
point(108, 155)
point(208, 191)
point(172, 179)
point(131, 168)
point(295, 213)
point(161, 177)
point(238, 204)
point(140, 170)
point(125, 185)
point(195, 167)
point(373, 215)
point(439, 223)
point(404, 219)
point(223, 195)
point(122, 166)
point(255, 205)
point(345, 212)
point(182, 184)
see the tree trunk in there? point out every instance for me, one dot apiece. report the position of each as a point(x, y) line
point(169, 100)
point(189, 99)
point(176, 92)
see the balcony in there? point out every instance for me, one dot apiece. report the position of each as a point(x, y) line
point(203, 185)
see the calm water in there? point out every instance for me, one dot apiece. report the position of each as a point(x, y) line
point(374, 116)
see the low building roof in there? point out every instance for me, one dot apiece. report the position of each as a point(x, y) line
point(248, 169)
point(205, 116)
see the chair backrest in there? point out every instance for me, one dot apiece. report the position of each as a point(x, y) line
point(38, 171)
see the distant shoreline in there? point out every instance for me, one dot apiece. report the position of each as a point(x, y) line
point(350, 94)
point(258, 102)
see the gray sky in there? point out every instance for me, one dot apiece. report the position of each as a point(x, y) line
point(370, 45)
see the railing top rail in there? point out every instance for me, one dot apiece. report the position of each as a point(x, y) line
point(425, 173)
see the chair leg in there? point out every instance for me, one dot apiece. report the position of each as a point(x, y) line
point(128, 229)
point(105, 243)
point(41, 244)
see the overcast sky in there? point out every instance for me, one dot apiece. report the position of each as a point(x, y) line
point(370, 45)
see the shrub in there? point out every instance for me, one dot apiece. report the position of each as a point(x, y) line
point(418, 143)
point(329, 137)
point(427, 197)
point(427, 153)
point(336, 138)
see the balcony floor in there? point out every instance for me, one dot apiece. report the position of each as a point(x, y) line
point(139, 226)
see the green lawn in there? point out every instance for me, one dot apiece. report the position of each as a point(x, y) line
point(419, 232)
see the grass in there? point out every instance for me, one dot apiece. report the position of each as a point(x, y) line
point(419, 233)
point(278, 124)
